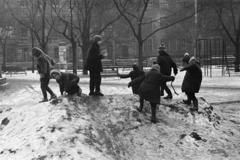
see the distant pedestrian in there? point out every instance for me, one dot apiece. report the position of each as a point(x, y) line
point(192, 81)
point(133, 75)
point(94, 66)
point(166, 64)
point(185, 59)
point(150, 88)
point(68, 82)
point(44, 66)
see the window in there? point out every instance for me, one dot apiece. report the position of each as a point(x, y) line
point(163, 4)
point(150, 4)
point(56, 52)
point(148, 23)
point(24, 32)
point(181, 44)
point(148, 45)
point(166, 42)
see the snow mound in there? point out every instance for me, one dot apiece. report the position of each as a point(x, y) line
point(109, 127)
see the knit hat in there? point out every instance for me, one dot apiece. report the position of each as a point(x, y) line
point(156, 66)
point(37, 51)
point(192, 58)
point(135, 66)
point(54, 71)
point(97, 38)
point(162, 47)
point(186, 58)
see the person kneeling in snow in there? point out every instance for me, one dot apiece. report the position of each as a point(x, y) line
point(68, 82)
point(150, 88)
point(192, 81)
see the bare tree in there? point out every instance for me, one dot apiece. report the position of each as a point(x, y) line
point(134, 12)
point(228, 14)
point(32, 14)
point(6, 29)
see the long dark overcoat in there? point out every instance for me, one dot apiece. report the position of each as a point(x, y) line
point(133, 75)
point(166, 64)
point(93, 62)
point(150, 86)
point(193, 77)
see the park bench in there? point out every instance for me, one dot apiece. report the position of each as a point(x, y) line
point(230, 69)
point(109, 70)
point(10, 70)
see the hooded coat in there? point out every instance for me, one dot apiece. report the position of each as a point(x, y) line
point(150, 85)
point(193, 77)
point(65, 81)
point(166, 64)
point(44, 63)
point(133, 75)
point(93, 62)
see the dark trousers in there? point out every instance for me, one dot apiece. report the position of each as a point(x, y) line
point(153, 108)
point(165, 87)
point(44, 87)
point(73, 88)
point(95, 81)
point(190, 96)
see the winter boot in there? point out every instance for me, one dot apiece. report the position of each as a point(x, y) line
point(153, 118)
point(187, 102)
point(53, 96)
point(195, 105)
point(98, 93)
point(44, 100)
point(168, 97)
point(91, 93)
point(139, 109)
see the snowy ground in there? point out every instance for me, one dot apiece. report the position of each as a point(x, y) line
point(223, 92)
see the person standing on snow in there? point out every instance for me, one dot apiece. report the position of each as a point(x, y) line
point(192, 81)
point(68, 82)
point(166, 64)
point(94, 66)
point(133, 75)
point(44, 66)
point(149, 89)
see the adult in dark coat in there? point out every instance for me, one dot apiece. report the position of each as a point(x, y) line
point(94, 66)
point(133, 75)
point(166, 64)
point(150, 88)
point(68, 82)
point(192, 81)
point(44, 66)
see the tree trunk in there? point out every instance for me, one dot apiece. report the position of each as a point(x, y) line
point(84, 57)
point(237, 55)
point(4, 59)
point(74, 50)
point(140, 57)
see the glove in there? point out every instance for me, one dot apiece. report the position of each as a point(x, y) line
point(181, 69)
point(129, 85)
point(173, 78)
point(176, 72)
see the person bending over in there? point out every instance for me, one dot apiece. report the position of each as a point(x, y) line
point(68, 82)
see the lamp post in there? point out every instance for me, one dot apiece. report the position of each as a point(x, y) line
point(32, 39)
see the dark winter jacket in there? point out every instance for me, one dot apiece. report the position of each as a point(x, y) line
point(166, 64)
point(66, 80)
point(44, 63)
point(150, 85)
point(133, 75)
point(93, 62)
point(193, 77)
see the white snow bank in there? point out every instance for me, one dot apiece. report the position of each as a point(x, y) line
point(109, 127)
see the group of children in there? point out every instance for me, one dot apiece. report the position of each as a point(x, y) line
point(149, 86)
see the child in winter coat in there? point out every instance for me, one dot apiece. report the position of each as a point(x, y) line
point(44, 65)
point(133, 75)
point(192, 81)
point(68, 82)
point(150, 88)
